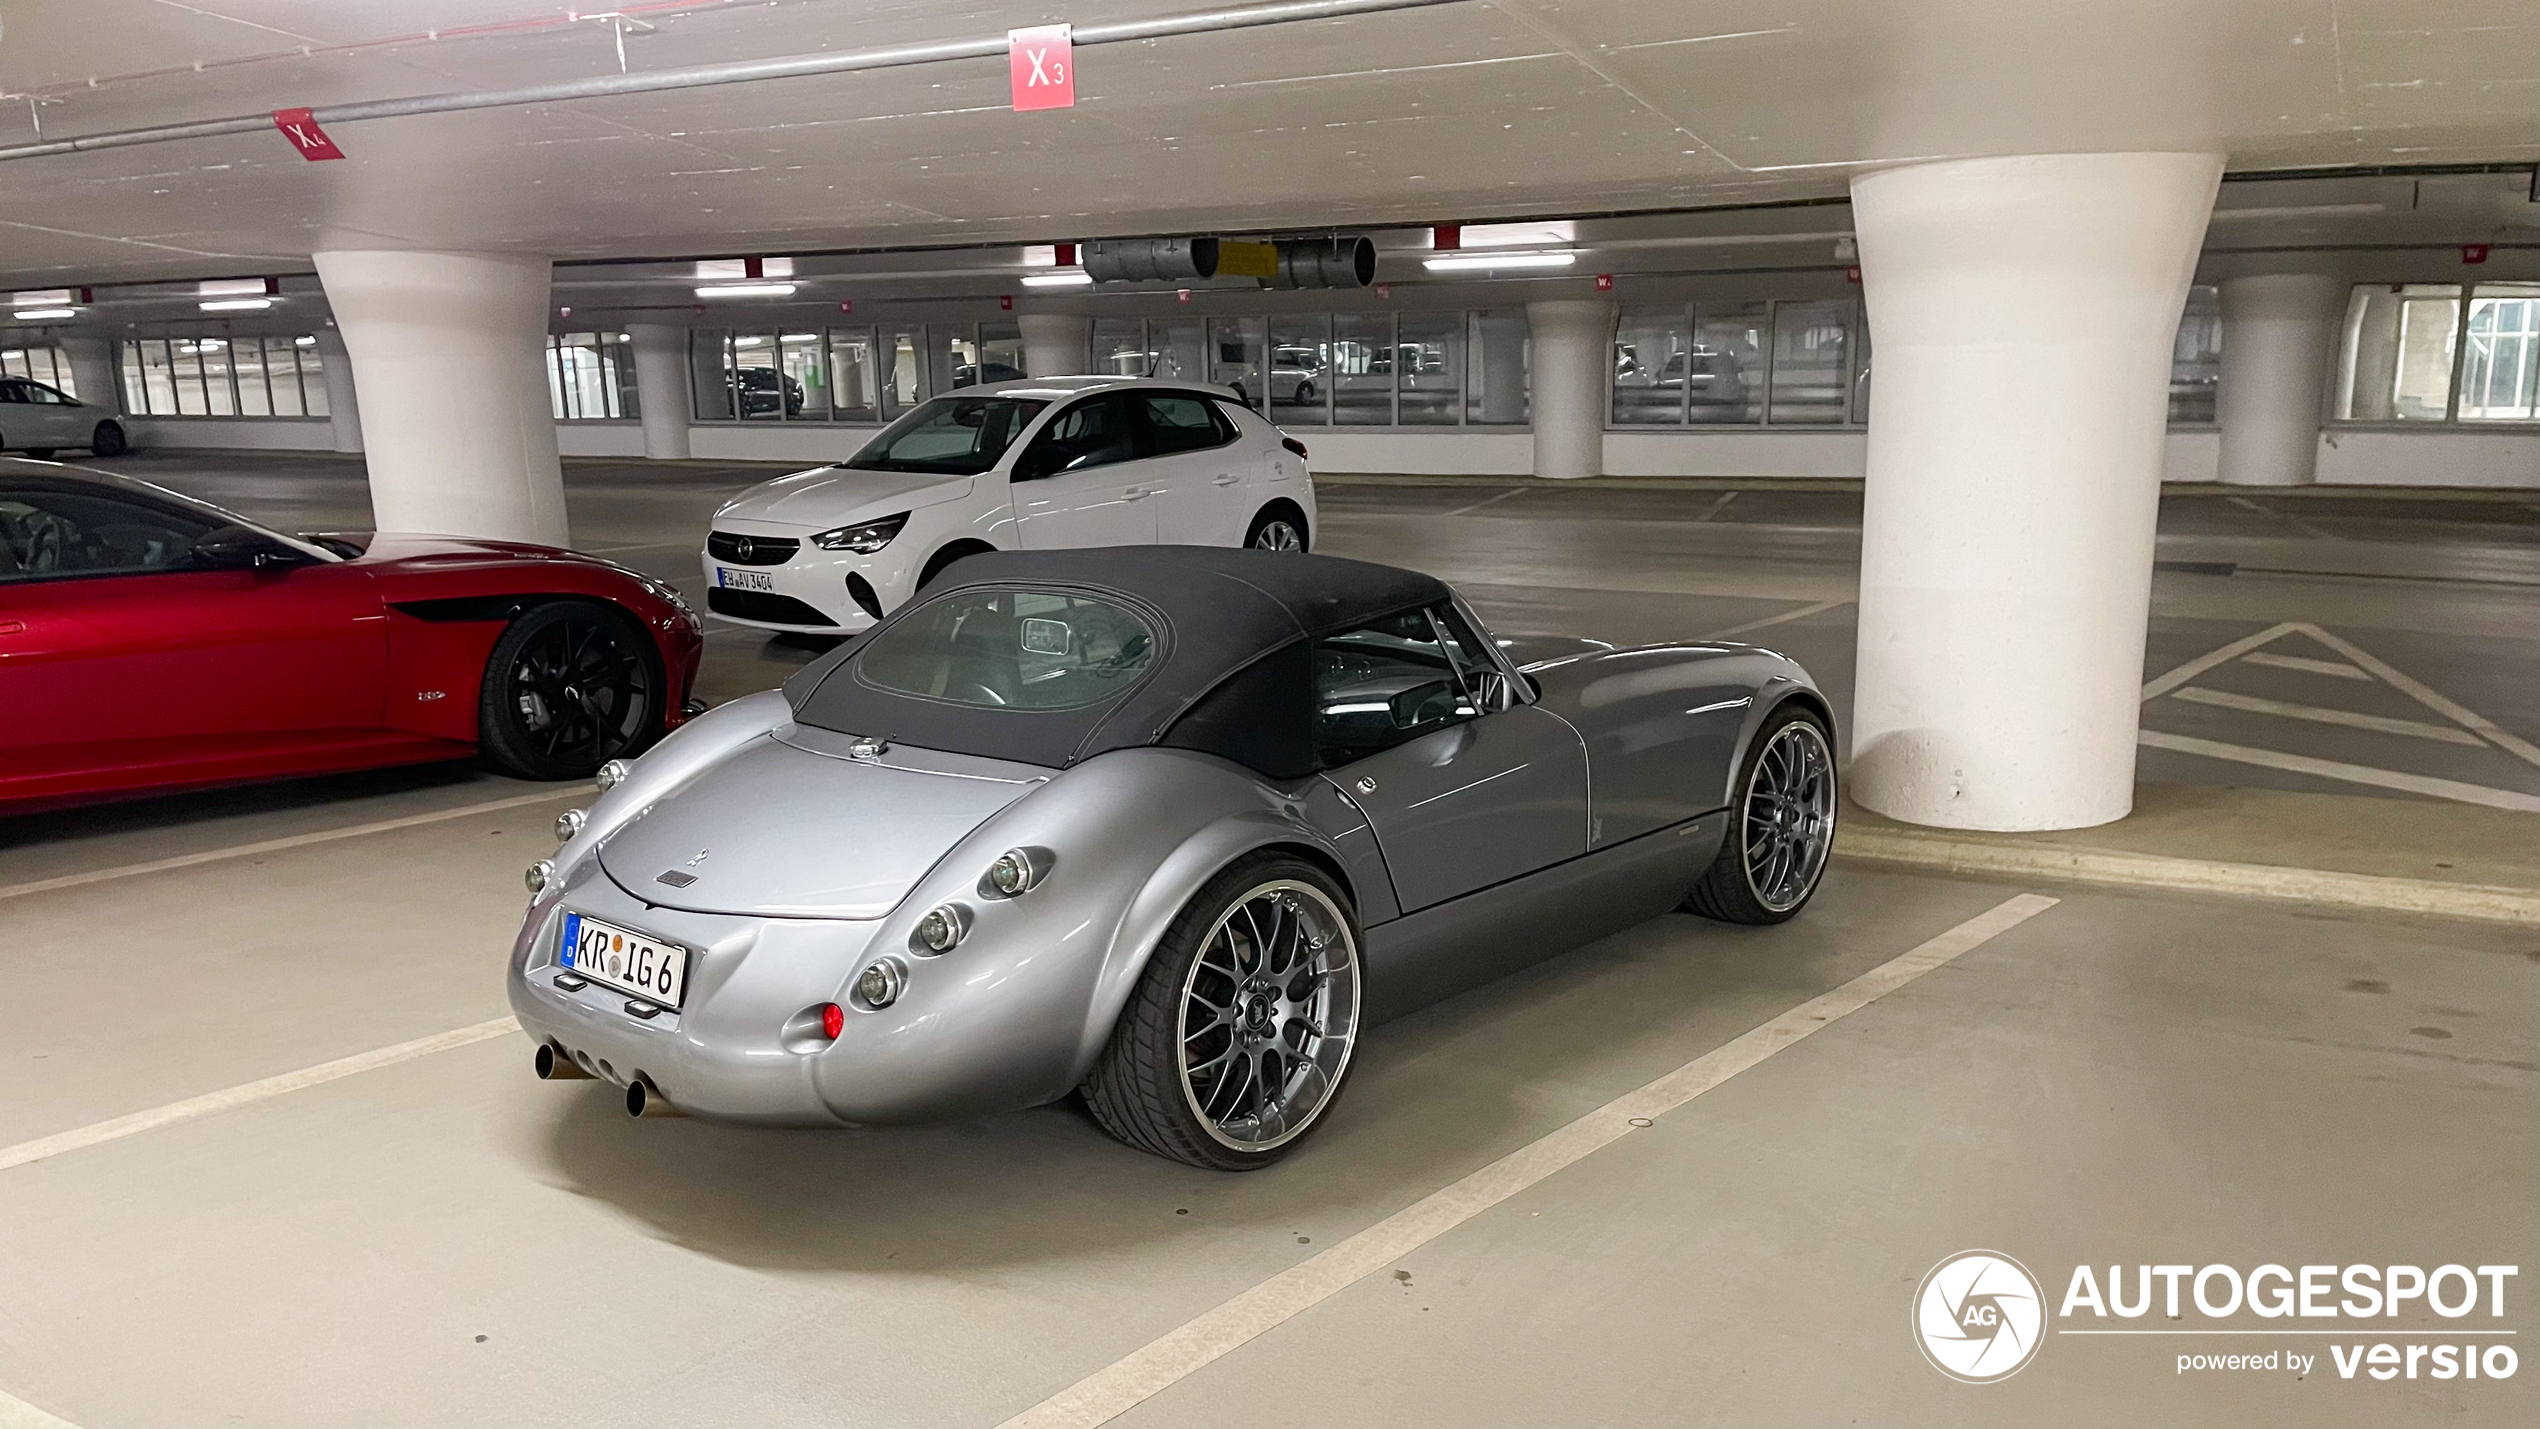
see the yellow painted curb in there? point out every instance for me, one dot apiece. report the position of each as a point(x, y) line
point(2195, 875)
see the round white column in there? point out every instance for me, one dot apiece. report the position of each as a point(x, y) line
point(2279, 330)
point(661, 388)
point(1056, 344)
point(93, 372)
point(1573, 354)
point(2025, 311)
point(343, 404)
point(449, 353)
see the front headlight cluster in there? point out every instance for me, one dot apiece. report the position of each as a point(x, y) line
point(864, 539)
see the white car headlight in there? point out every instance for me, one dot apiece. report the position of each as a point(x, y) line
point(863, 539)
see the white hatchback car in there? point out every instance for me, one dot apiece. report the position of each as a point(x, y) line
point(1028, 465)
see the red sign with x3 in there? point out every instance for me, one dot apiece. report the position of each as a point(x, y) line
point(1041, 61)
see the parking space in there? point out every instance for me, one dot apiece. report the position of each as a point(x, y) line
point(2115, 1078)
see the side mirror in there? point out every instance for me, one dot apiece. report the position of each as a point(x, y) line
point(243, 548)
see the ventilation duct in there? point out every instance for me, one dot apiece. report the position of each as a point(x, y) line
point(1139, 260)
point(1326, 263)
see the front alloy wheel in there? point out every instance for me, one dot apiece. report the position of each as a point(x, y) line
point(569, 687)
point(1781, 828)
point(1239, 1037)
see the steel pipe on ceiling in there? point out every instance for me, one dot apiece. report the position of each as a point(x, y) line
point(1282, 12)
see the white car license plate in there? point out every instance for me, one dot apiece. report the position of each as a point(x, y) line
point(629, 962)
point(731, 579)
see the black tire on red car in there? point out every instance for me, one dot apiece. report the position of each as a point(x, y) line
point(571, 685)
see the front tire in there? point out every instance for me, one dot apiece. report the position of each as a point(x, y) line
point(571, 685)
point(108, 440)
point(1238, 1039)
point(1781, 825)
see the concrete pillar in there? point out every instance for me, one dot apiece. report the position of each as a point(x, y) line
point(449, 351)
point(2025, 311)
point(343, 404)
point(1573, 356)
point(1056, 344)
point(93, 372)
point(661, 388)
point(2279, 330)
point(1501, 366)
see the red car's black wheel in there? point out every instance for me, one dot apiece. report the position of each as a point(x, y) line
point(570, 686)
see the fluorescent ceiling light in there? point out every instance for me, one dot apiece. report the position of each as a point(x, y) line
point(1071, 278)
point(230, 287)
point(1518, 235)
point(236, 305)
point(749, 342)
point(43, 298)
point(37, 315)
point(304, 342)
point(1470, 262)
point(1040, 255)
point(747, 290)
point(716, 269)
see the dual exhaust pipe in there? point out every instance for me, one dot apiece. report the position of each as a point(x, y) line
point(643, 1099)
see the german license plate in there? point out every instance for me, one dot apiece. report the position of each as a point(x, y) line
point(731, 579)
point(628, 961)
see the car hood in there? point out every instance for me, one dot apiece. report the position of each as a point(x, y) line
point(788, 826)
point(834, 496)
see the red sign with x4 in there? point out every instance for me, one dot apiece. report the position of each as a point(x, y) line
point(1041, 61)
point(305, 135)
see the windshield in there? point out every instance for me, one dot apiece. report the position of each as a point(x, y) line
point(1011, 649)
point(949, 436)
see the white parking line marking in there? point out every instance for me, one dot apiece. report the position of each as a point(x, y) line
point(2305, 664)
point(213, 1103)
point(2451, 789)
point(2162, 684)
point(2383, 724)
point(1802, 613)
point(16, 1413)
point(1485, 501)
point(2514, 745)
point(1110, 1392)
point(189, 860)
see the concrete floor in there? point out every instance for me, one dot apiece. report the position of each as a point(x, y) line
point(2124, 1078)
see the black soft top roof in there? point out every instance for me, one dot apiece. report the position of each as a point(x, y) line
point(1219, 614)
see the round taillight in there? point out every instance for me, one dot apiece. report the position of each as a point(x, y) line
point(833, 1020)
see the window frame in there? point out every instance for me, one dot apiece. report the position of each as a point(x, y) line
point(2350, 332)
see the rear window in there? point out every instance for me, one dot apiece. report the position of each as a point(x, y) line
point(953, 436)
point(1011, 649)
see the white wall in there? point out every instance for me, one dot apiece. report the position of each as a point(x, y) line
point(2377, 458)
point(269, 434)
point(619, 439)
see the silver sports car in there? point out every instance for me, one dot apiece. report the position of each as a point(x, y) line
point(1169, 826)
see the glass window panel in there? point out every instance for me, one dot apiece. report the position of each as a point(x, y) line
point(1362, 369)
point(2196, 359)
point(158, 376)
point(1653, 347)
point(13, 362)
point(2395, 364)
point(903, 384)
point(1000, 351)
point(1724, 374)
point(559, 399)
point(247, 362)
point(312, 375)
point(1495, 382)
point(1300, 370)
point(282, 376)
point(806, 376)
point(2500, 374)
point(584, 378)
point(956, 355)
point(1431, 363)
point(1812, 361)
point(1120, 348)
point(854, 383)
point(1861, 375)
point(218, 394)
point(617, 354)
point(1234, 357)
point(136, 393)
point(1179, 348)
point(760, 390)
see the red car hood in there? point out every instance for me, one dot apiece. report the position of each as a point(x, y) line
point(419, 551)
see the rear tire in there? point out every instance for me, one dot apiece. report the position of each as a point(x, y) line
point(108, 440)
point(1781, 824)
point(40, 453)
point(1278, 527)
point(571, 685)
point(1237, 1040)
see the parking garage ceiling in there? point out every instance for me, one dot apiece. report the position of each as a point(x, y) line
point(1490, 108)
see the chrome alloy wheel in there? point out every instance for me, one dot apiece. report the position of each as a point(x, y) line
point(1277, 534)
point(1789, 816)
point(1269, 1016)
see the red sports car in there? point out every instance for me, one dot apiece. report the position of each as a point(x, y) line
point(149, 641)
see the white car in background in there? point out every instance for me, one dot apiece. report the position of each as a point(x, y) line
point(1029, 465)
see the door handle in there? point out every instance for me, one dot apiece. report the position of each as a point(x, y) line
point(1225, 478)
point(12, 627)
point(1136, 493)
